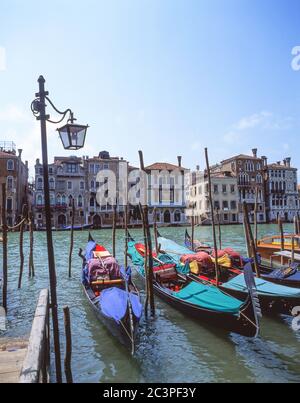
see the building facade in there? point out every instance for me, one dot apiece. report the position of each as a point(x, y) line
point(282, 191)
point(73, 178)
point(251, 182)
point(225, 198)
point(66, 183)
point(167, 193)
point(14, 173)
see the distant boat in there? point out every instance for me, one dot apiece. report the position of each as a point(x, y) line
point(68, 228)
point(270, 246)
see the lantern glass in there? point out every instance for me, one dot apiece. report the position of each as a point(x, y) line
point(73, 136)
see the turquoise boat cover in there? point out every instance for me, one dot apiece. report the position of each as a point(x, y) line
point(173, 249)
point(209, 297)
point(238, 283)
point(204, 296)
point(263, 287)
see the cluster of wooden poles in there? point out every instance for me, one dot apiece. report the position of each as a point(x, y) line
point(26, 219)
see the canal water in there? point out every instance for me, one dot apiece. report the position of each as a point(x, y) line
point(172, 347)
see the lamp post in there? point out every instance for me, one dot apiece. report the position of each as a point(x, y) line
point(73, 138)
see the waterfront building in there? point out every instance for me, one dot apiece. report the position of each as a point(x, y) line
point(66, 183)
point(98, 169)
point(251, 182)
point(14, 173)
point(282, 190)
point(167, 192)
point(225, 197)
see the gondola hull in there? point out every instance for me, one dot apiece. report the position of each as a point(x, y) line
point(270, 305)
point(120, 330)
point(242, 324)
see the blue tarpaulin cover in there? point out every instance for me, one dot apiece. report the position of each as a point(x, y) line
point(113, 303)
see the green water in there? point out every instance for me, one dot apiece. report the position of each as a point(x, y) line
point(172, 347)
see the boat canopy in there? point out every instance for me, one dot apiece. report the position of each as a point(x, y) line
point(263, 287)
point(209, 297)
point(202, 295)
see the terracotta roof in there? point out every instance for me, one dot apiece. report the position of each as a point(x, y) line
point(7, 155)
point(242, 157)
point(163, 166)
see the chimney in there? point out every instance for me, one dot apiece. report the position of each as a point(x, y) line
point(278, 162)
point(284, 162)
point(265, 160)
point(37, 162)
point(179, 161)
point(198, 168)
point(26, 164)
point(254, 151)
point(288, 162)
point(20, 152)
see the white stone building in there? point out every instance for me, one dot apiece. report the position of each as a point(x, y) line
point(282, 191)
point(225, 197)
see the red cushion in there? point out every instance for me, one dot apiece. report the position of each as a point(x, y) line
point(100, 248)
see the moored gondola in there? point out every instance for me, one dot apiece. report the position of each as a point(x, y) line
point(200, 300)
point(274, 298)
point(288, 275)
point(111, 293)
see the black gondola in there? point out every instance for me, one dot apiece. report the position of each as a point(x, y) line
point(115, 298)
point(274, 298)
point(203, 302)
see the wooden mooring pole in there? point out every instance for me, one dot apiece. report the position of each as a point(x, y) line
point(281, 231)
point(31, 245)
point(149, 245)
point(155, 230)
point(72, 238)
point(212, 217)
point(114, 225)
point(21, 241)
point(68, 355)
point(255, 217)
point(250, 238)
point(219, 227)
point(126, 235)
point(4, 246)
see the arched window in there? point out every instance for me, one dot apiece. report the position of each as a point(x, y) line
point(39, 200)
point(92, 184)
point(70, 200)
point(80, 202)
point(39, 184)
point(52, 199)
point(63, 200)
point(58, 199)
point(51, 184)
point(259, 178)
point(10, 165)
point(92, 202)
point(177, 216)
point(9, 183)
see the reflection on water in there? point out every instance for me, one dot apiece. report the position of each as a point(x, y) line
point(171, 347)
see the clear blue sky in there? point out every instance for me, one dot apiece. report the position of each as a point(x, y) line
point(166, 76)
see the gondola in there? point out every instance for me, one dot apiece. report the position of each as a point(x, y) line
point(288, 276)
point(111, 293)
point(200, 300)
point(274, 298)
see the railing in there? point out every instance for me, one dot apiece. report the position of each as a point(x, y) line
point(37, 360)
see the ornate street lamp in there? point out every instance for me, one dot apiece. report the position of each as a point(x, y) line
point(73, 137)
